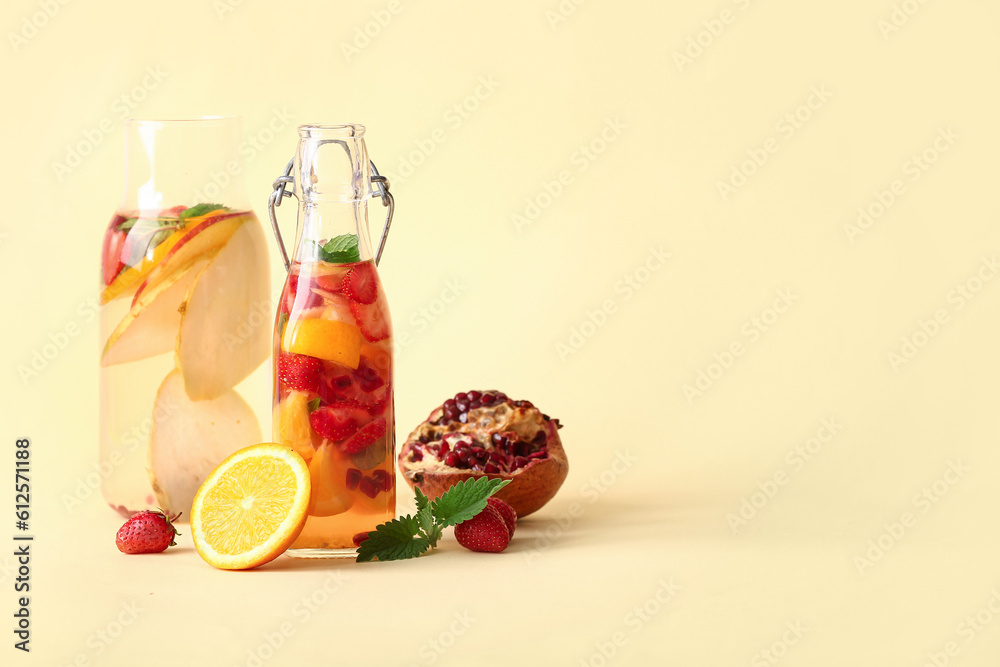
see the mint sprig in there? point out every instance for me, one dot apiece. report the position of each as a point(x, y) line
point(199, 209)
point(341, 249)
point(409, 536)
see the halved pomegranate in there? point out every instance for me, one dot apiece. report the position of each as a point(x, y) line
point(486, 434)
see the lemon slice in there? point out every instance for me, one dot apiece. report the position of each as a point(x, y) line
point(251, 507)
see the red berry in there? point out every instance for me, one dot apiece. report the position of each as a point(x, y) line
point(299, 372)
point(333, 424)
point(505, 511)
point(359, 538)
point(484, 532)
point(365, 437)
point(146, 532)
point(361, 283)
point(329, 283)
point(114, 241)
point(372, 319)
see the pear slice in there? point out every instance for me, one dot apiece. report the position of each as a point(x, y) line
point(201, 241)
point(150, 326)
point(188, 439)
point(226, 326)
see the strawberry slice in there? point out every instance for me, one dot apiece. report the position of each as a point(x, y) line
point(114, 241)
point(299, 372)
point(332, 283)
point(361, 284)
point(364, 438)
point(372, 319)
point(333, 424)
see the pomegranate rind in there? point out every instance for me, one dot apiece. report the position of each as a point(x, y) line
point(530, 488)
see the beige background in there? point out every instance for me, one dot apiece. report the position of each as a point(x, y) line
point(903, 110)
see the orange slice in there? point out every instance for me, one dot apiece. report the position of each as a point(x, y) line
point(325, 339)
point(291, 423)
point(251, 507)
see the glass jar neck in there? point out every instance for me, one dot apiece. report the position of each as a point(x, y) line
point(183, 162)
point(333, 184)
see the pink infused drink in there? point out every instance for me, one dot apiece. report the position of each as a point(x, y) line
point(333, 400)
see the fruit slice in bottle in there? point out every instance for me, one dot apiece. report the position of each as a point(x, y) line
point(150, 326)
point(189, 438)
point(329, 492)
point(251, 508)
point(324, 339)
point(291, 423)
point(219, 342)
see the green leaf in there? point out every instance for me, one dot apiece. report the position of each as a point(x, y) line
point(425, 519)
point(372, 455)
point(282, 321)
point(313, 404)
point(341, 249)
point(422, 500)
point(465, 500)
point(127, 224)
point(394, 540)
point(199, 209)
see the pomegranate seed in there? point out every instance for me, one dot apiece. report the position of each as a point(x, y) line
point(382, 479)
point(478, 451)
point(488, 399)
point(463, 417)
point(449, 414)
point(359, 538)
point(491, 468)
point(520, 462)
point(449, 404)
point(451, 460)
point(463, 454)
point(353, 478)
point(475, 403)
point(425, 439)
point(462, 405)
point(475, 395)
point(496, 457)
point(416, 455)
point(461, 396)
point(368, 487)
point(496, 438)
point(540, 454)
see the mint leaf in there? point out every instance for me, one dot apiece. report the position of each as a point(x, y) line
point(127, 224)
point(314, 404)
point(341, 249)
point(425, 519)
point(394, 540)
point(465, 500)
point(422, 500)
point(199, 209)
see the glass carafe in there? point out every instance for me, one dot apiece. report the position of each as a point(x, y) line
point(185, 315)
point(333, 356)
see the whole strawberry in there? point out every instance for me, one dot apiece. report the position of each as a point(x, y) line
point(486, 531)
point(147, 532)
point(505, 511)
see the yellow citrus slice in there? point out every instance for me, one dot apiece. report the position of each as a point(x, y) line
point(251, 507)
point(291, 423)
point(325, 339)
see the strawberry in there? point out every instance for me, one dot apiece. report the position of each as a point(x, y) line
point(299, 372)
point(484, 532)
point(365, 437)
point(505, 511)
point(333, 424)
point(372, 319)
point(114, 240)
point(147, 532)
point(361, 283)
point(329, 283)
